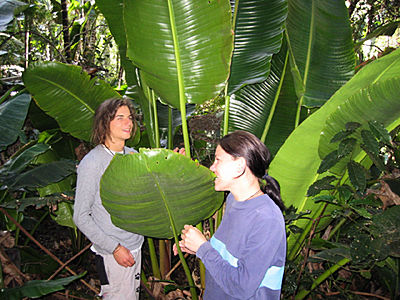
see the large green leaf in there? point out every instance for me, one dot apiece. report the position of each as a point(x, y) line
point(309, 65)
point(68, 94)
point(258, 27)
point(42, 175)
point(320, 40)
point(365, 101)
point(267, 109)
point(296, 163)
point(113, 11)
point(37, 288)
point(64, 212)
point(183, 48)
point(155, 192)
point(17, 164)
point(12, 117)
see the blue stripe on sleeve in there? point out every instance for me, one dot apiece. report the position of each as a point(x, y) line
point(221, 248)
point(273, 277)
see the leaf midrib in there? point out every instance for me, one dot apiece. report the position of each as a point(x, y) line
point(163, 197)
point(68, 92)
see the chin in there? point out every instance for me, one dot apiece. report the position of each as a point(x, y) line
point(219, 187)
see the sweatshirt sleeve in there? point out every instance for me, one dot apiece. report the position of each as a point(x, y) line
point(242, 277)
point(87, 187)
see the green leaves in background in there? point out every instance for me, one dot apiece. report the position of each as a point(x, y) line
point(313, 63)
point(321, 48)
point(258, 27)
point(12, 117)
point(7, 11)
point(183, 49)
point(155, 192)
point(267, 109)
point(37, 288)
point(43, 175)
point(372, 94)
point(68, 94)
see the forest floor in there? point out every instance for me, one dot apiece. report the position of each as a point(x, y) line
point(34, 263)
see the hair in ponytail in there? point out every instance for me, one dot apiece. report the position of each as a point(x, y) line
point(244, 144)
point(272, 188)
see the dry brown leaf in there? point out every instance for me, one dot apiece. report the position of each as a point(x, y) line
point(386, 195)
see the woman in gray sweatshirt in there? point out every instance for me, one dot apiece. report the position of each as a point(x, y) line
point(118, 252)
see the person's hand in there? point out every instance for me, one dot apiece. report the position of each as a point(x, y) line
point(183, 248)
point(123, 256)
point(192, 238)
point(180, 151)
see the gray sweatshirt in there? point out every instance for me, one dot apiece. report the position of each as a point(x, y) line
point(90, 216)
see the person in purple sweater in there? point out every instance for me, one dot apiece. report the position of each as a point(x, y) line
point(245, 258)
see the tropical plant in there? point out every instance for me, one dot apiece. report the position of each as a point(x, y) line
point(372, 87)
point(274, 62)
point(364, 233)
point(30, 179)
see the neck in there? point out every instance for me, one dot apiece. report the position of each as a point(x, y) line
point(115, 146)
point(247, 190)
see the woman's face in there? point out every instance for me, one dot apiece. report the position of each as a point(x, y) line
point(122, 124)
point(226, 168)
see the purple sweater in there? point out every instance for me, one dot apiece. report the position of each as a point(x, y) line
point(245, 258)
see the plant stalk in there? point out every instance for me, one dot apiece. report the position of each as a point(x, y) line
point(153, 258)
point(303, 293)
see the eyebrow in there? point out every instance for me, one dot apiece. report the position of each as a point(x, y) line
point(122, 115)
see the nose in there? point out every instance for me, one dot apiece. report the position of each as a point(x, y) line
point(212, 168)
point(128, 122)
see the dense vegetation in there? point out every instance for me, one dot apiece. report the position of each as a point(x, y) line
point(316, 81)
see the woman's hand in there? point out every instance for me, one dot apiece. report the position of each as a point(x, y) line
point(192, 238)
point(123, 256)
point(183, 248)
point(180, 150)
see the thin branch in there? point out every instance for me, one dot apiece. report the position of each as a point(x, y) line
point(71, 259)
point(45, 250)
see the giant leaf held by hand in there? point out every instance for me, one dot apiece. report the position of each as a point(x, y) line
point(156, 190)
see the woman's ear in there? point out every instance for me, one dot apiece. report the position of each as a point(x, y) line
point(240, 166)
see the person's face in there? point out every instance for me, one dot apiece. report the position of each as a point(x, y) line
point(121, 126)
point(226, 168)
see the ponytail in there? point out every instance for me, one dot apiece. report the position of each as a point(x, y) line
point(270, 186)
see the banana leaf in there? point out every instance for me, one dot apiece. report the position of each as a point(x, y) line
point(295, 165)
point(307, 65)
point(18, 163)
point(37, 288)
point(320, 43)
point(155, 192)
point(42, 175)
point(258, 27)
point(263, 109)
point(64, 212)
point(113, 11)
point(68, 94)
point(182, 48)
point(358, 109)
point(12, 117)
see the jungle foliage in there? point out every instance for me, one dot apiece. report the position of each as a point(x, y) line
point(294, 73)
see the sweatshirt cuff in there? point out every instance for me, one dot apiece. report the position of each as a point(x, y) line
point(203, 249)
point(110, 247)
